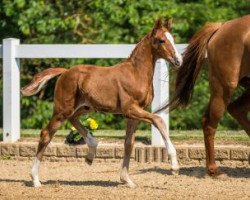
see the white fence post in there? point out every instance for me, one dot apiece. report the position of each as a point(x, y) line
point(161, 95)
point(11, 91)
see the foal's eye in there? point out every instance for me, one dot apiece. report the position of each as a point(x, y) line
point(161, 41)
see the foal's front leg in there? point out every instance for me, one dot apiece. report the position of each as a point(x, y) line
point(128, 146)
point(138, 113)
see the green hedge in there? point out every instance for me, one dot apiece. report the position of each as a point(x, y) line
point(105, 21)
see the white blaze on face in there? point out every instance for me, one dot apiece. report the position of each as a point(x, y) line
point(171, 40)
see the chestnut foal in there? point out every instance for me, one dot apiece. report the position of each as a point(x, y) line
point(125, 88)
point(227, 47)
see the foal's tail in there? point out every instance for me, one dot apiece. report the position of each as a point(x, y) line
point(40, 79)
point(192, 62)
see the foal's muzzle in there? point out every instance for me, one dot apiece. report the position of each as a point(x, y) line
point(176, 61)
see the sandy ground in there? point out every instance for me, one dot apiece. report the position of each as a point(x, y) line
point(75, 180)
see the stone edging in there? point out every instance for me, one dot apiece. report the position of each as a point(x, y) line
point(187, 154)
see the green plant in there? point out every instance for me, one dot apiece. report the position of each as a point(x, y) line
point(74, 137)
point(105, 21)
point(6, 157)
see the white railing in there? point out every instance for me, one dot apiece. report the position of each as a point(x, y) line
point(12, 51)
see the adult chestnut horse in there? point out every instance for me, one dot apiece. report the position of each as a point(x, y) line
point(227, 47)
point(125, 88)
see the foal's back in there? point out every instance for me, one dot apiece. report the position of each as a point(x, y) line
point(102, 86)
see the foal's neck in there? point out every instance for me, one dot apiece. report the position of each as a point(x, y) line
point(143, 58)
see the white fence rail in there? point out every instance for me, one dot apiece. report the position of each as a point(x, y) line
point(12, 51)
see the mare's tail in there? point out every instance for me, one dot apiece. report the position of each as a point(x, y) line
point(40, 79)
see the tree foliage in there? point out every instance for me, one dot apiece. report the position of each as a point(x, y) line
point(105, 21)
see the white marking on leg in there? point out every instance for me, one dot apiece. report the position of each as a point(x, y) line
point(35, 173)
point(172, 153)
point(171, 40)
point(124, 176)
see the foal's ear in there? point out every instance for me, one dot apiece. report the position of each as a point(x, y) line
point(168, 23)
point(158, 25)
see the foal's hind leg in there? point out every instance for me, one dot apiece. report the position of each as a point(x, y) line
point(45, 138)
point(89, 139)
point(240, 108)
point(128, 145)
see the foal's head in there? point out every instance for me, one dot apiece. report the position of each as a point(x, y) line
point(163, 43)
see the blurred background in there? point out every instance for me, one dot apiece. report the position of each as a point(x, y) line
point(108, 22)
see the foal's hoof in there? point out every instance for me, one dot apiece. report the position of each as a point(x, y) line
point(88, 161)
point(175, 172)
point(37, 184)
point(175, 169)
point(129, 183)
point(35, 180)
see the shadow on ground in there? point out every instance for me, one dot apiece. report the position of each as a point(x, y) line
point(197, 172)
point(200, 172)
point(64, 182)
point(83, 183)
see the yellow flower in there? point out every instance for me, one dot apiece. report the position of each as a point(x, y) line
point(72, 128)
point(92, 123)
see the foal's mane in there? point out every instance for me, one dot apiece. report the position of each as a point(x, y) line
point(138, 45)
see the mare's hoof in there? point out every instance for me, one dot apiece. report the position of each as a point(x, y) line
point(219, 175)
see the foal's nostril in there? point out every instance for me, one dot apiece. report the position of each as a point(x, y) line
point(177, 62)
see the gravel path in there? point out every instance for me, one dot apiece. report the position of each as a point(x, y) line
point(75, 180)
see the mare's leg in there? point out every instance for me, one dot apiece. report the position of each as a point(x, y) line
point(240, 108)
point(45, 138)
point(89, 139)
point(128, 145)
point(220, 97)
point(138, 113)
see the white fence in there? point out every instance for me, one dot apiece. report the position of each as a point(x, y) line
point(12, 51)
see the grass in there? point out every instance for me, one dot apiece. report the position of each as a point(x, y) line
point(144, 136)
point(221, 135)
point(225, 136)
